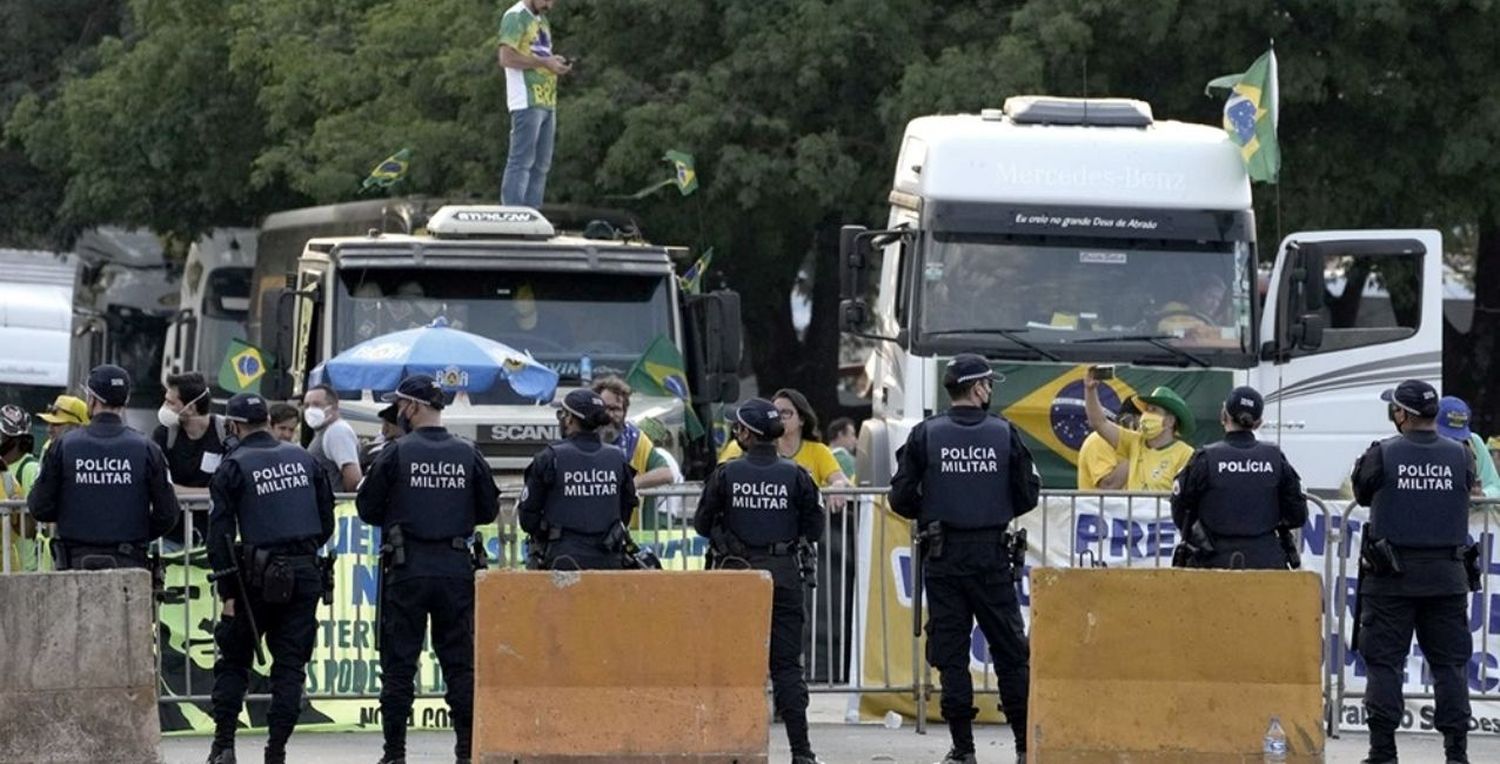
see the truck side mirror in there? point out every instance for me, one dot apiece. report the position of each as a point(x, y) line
point(854, 258)
point(714, 345)
point(277, 306)
point(1313, 282)
point(1309, 332)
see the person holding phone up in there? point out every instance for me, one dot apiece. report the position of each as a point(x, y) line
point(1157, 451)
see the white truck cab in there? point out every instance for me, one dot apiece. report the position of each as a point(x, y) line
point(213, 306)
point(1059, 233)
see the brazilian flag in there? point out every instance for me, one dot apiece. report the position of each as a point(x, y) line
point(242, 369)
point(686, 177)
point(389, 171)
point(692, 281)
point(1251, 115)
point(662, 372)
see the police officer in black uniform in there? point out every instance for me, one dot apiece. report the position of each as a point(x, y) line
point(579, 493)
point(756, 512)
point(427, 491)
point(105, 485)
point(1412, 572)
point(280, 502)
point(1235, 497)
point(963, 475)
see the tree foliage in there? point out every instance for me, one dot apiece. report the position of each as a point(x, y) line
point(196, 113)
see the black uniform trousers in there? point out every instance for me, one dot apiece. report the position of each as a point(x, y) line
point(788, 617)
point(577, 551)
point(1441, 624)
point(954, 603)
point(406, 606)
point(1244, 553)
point(290, 630)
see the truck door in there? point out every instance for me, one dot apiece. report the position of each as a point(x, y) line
point(1348, 315)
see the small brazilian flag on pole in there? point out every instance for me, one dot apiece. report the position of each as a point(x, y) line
point(1251, 114)
point(662, 372)
point(686, 176)
point(242, 369)
point(692, 281)
point(389, 171)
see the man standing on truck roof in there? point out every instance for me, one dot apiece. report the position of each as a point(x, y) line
point(531, 72)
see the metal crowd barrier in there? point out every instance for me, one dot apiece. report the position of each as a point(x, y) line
point(1480, 612)
point(1139, 535)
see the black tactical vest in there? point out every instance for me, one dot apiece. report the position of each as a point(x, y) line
point(277, 500)
point(1241, 499)
point(967, 481)
point(434, 487)
point(762, 501)
point(105, 499)
point(1424, 501)
point(585, 498)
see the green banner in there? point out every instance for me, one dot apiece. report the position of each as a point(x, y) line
point(1045, 403)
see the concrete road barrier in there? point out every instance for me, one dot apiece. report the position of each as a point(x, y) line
point(1173, 665)
point(77, 668)
point(622, 667)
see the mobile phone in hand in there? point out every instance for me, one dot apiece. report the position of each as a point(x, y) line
point(1101, 373)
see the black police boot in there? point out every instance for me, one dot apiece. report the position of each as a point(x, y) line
point(1375, 759)
point(1456, 748)
point(388, 760)
point(956, 756)
point(277, 756)
point(218, 755)
point(806, 758)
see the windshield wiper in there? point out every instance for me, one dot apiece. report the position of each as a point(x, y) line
point(1155, 339)
point(1009, 334)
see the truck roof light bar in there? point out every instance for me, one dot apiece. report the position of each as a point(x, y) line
point(1094, 112)
point(489, 222)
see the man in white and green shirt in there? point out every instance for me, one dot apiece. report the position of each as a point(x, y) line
point(531, 72)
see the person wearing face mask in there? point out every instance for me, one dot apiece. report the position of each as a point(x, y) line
point(1413, 575)
point(755, 511)
point(1100, 467)
point(1236, 496)
point(1156, 452)
point(104, 485)
point(427, 491)
point(579, 494)
point(964, 475)
point(334, 443)
point(272, 496)
point(193, 440)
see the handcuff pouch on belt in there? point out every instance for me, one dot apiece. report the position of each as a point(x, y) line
point(1195, 546)
point(267, 573)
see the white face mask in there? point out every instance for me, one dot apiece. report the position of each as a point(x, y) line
point(169, 418)
point(315, 417)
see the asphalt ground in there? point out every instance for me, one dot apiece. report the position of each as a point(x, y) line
point(835, 742)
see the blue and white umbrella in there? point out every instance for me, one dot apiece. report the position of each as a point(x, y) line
point(457, 359)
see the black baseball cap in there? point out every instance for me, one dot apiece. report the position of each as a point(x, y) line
point(1245, 400)
point(758, 415)
point(968, 367)
point(582, 403)
point(1414, 396)
point(248, 408)
point(388, 414)
point(422, 388)
point(110, 384)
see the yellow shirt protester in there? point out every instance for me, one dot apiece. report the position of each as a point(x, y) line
point(816, 458)
point(1151, 469)
point(1096, 459)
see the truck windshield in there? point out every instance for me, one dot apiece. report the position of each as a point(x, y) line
point(226, 305)
point(1110, 295)
point(562, 318)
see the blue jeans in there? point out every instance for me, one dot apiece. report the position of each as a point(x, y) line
point(531, 136)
